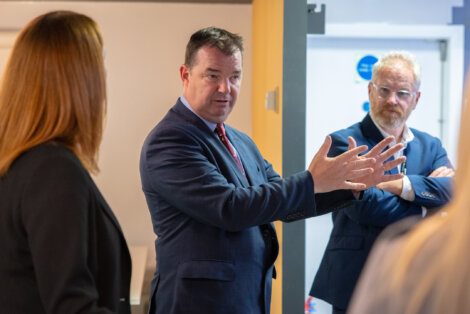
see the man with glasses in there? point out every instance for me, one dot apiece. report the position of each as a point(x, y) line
point(426, 184)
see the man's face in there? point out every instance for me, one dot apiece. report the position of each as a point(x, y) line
point(393, 96)
point(211, 85)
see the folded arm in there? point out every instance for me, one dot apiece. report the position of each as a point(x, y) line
point(430, 191)
point(376, 207)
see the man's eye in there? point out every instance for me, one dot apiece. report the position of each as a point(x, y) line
point(212, 77)
point(384, 90)
point(235, 78)
point(403, 94)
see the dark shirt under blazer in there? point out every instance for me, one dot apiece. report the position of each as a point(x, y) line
point(62, 250)
point(215, 242)
point(356, 228)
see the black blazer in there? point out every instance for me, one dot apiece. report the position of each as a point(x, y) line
point(216, 245)
point(61, 247)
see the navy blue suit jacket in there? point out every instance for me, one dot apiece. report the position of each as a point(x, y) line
point(215, 242)
point(356, 228)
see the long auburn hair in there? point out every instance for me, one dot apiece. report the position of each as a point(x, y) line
point(447, 275)
point(54, 89)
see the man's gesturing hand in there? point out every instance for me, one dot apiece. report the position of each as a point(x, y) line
point(380, 165)
point(339, 172)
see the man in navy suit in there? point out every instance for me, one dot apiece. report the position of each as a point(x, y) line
point(426, 184)
point(212, 196)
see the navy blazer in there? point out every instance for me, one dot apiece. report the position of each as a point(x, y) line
point(215, 242)
point(356, 228)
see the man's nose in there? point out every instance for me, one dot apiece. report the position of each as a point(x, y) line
point(224, 86)
point(392, 98)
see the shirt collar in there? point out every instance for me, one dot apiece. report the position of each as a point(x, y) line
point(210, 125)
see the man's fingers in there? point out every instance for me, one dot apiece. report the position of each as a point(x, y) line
point(353, 186)
point(351, 142)
point(390, 152)
point(450, 173)
point(352, 153)
point(393, 163)
point(359, 173)
point(324, 148)
point(361, 164)
point(441, 169)
point(435, 172)
point(377, 149)
point(391, 177)
point(442, 172)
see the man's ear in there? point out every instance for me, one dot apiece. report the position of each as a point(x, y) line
point(418, 95)
point(369, 89)
point(184, 72)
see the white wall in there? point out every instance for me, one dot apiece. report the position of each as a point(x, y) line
point(144, 47)
point(388, 11)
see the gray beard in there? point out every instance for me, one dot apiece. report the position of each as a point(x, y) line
point(387, 122)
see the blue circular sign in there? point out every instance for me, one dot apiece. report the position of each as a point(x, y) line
point(366, 106)
point(364, 66)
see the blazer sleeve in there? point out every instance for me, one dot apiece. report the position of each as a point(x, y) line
point(376, 207)
point(380, 208)
point(433, 192)
point(271, 174)
point(56, 217)
point(176, 164)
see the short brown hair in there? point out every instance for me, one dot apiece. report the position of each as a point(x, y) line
point(225, 41)
point(54, 88)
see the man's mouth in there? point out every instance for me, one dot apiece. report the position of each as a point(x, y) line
point(392, 111)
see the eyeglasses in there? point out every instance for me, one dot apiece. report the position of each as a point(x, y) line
point(402, 94)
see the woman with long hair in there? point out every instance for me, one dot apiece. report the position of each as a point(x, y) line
point(62, 250)
point(424, 268)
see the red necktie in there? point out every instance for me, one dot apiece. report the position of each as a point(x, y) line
point(223, 137)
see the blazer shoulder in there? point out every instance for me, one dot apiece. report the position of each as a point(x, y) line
point(340, 137)
point(47, 157)
point(168, 132)
point(179, 121)
point(352, 130)
point(424, 136)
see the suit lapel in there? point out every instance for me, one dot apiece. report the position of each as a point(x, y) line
point(229, 160)
point(251, 168)
point(213, 139)
point(370, 131)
